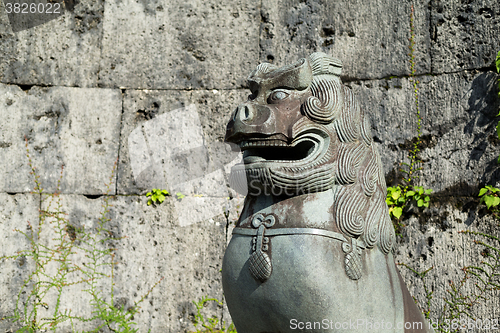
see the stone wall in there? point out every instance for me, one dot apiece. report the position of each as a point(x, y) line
point(137, 82)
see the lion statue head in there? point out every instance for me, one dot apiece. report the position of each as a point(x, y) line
point(301, 131)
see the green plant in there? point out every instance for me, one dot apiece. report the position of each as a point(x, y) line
point(428, 292)
point(180, 196)
point(489, 196)
point(459, 303)
point(51, 272)
point(116, 319)
point(157, 196)
point(56, 269)
point(209, 324)
point(398, 198)
point(460, 300)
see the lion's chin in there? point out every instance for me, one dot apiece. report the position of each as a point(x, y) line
point(273, 178)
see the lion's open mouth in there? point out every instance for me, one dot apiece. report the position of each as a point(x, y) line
point(276, 150)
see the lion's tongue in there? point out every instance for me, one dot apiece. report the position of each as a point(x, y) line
point(252, 159)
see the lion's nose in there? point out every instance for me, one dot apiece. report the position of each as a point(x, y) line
point(248, 119)
point(244, 113)
point(251, 114)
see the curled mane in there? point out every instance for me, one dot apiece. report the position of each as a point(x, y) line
point(360, 210)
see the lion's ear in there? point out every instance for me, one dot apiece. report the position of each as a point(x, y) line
point(295, 76)
point(262, 68)
point(322, 63)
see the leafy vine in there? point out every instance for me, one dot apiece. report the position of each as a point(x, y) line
point(399, 196)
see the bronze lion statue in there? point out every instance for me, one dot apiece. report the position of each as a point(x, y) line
point(311, 251)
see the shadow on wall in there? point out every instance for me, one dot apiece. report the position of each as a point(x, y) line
point(484, 105)
point(26, 15)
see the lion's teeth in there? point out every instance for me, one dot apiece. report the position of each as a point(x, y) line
point(264, 143)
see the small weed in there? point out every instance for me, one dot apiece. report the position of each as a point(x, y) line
point(398, 198)
point(157, 196)
point(489, 196)
point(55, 269)
point(428, 292)
point(180, 196)
point(205, 325)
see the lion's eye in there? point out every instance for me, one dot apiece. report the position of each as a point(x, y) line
point(278, 95)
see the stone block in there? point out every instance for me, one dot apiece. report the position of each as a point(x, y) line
point(179, 45)
point(64, 51)
point(173, 137)
point(75, 127)
point(458, 127)
point(464, 35)
point(16, 212)
point(371, 39)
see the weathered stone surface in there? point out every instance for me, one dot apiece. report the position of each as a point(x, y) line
point(371, 39)
point(458, 126)
point(188, 258)
point(64, 51)
point(460, 151)
point(434, 240)
point(169, 122)
point(77, 128)
point(7, 43)
point(464, 34)
point(15, 212)
point(178, 44)
point(461, 109)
